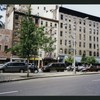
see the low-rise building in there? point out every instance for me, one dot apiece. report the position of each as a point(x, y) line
point(5, 43)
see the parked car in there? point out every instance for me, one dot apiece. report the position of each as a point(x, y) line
point(13, 67)
point(90, 68)
point(69, 68)
point(32, 67)
point(57, 66)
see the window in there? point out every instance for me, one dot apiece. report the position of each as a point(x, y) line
point(80, 36)
point(44, 8)
point(90, 38)
point(94, 38)
point(90, 53)
point(94, 46)
point(5, 48)
point(38, 7)
point(90, 45)
point(69, 42)
point(84, 52)
point(55, 25)
point(65, 51)
point(6, 38)
point(60, 42)
point(80, 21)
point(61, 25)
point(69, 26)
point(84, 30)
point(55, 31)
point(97, 54)
point(51, 24)
point(84, 22)
point(97, 39)
point(79, 44)
point(90, 30)
point(41, 22)
point(0, 47)
point(97, 32)
point(84, 37)
point(55, 39)
point(94, 53)
point(61, 50)
point(94, 24)
point(90, 23)
point(36, 21)
point(74, 27)
point(61, 33)
point(46, 24)
point(84, 44)
point(66, 27)
point(65, 42)
point(80, 28)
point(80, 52)
point(61, 17)
point(94, 31)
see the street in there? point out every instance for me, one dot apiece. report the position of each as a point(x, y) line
point(82, 85)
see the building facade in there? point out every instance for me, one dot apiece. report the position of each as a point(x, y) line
point(72, 25)
point(82, 28)
point(51, 27)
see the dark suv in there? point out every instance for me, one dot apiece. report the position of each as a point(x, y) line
point(54, 66)
point(13, 67)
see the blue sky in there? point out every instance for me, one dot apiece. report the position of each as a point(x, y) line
point(93, 9)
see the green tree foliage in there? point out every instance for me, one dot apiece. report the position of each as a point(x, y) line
point(88, 60)
point(83, 60)
point(48, 46)
point(69, 60)
point(91, 60)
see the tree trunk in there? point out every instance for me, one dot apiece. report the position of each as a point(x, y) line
point(27, 67)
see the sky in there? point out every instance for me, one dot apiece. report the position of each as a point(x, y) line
point(92, 9)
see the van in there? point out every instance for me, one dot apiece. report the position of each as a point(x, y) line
point(57, 66)
point(13, 67)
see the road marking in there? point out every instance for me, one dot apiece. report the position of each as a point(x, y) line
point(96, 80)
point(8, 92)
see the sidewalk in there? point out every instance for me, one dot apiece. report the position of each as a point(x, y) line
point(8, 77)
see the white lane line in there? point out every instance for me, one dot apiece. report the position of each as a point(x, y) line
point(8, 92)
point(96, 80)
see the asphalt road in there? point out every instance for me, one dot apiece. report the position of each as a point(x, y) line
point(83, 85)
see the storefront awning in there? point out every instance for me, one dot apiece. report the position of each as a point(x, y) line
point(35, 58)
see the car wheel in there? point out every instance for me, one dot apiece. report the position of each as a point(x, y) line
point(57, 70)
point(22, 71)
point(1, 71)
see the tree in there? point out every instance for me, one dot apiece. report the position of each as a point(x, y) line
point(48, 46)
point(69, 60)
point(91, 60)
point(88, 60)
point(83, 60)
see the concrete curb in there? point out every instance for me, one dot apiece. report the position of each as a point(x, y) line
point(47, 76)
